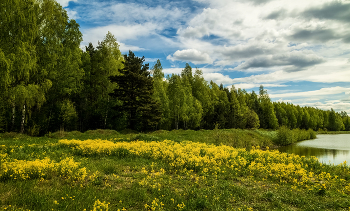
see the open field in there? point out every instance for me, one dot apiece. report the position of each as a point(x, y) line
point(106, 169)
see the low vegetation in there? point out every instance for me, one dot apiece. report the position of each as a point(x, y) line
point(131, 171)
point(286, 136)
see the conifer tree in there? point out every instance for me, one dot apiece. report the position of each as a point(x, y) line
point(135, 91)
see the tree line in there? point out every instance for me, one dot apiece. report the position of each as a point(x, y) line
point(47, 83)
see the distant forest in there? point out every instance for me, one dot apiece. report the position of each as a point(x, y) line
point(47, 83)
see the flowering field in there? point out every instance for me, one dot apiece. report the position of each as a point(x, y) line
point(95, 174)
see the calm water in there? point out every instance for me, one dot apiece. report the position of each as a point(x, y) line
point(330, 149)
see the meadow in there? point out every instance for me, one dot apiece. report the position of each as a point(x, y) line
point(164, 170)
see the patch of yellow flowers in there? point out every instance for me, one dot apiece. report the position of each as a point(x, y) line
point(204, 158)
point(41, 168)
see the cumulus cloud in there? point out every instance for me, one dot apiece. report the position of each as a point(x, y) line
point(213, 21)
point(191, 55)
point(121, 32)
point(334, 10)
point(178, 70)
point(250, 85)
point(111, 12)
point(278, 14)
point(247, 50)
point(318, 34)
point(295, 61)
point(64, 3)
point(72, 14)
point(332, 71)
point(321, 92)
point(218, 78)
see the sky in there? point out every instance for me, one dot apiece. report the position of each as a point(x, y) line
point(298, 50)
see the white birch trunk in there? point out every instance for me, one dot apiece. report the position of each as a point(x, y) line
point(23, 118)
point(13, 116)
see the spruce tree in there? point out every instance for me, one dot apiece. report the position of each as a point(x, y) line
point(135, 91)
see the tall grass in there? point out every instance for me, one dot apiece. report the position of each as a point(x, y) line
point(285, 136)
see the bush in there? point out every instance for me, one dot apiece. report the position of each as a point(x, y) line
point(285, 136)
point(312, 133)
point(145, 137)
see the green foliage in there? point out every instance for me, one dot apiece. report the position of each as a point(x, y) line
point(94, 103)
point(67, 112)
point(135, 91)
point(252, 119)
point(285, 136)
point(335, 121)
point(160, 95)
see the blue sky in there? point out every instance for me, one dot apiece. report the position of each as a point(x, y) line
point(299, 50)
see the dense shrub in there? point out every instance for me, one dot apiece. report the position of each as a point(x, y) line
point(286, 136)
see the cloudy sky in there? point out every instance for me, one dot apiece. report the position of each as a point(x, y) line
point(298, 50)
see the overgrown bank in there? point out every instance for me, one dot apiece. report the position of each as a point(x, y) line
point(237, 138)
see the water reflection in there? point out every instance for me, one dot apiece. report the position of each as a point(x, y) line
point(330, 149)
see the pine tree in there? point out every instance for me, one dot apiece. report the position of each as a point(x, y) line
point(135, 91)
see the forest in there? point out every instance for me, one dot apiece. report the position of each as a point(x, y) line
point(48, 83)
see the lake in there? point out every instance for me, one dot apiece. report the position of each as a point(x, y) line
point(329, 149)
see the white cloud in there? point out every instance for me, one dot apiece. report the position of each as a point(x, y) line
point(204, 71)
point(72, 14)
point(295, 61)
point(334, 70)
point(151, 60)
point(218, 78)
point(125, 48)
point(64, 3)
point(321, 92)
point(336, 106)
point(172, 70)
point(121, 32)
point(191, 55)
point(250, 86)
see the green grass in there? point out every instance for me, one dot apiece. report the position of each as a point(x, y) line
point(232, 137)
point(121, 181)
point(332, 132)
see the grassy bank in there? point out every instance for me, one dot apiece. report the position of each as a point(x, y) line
point(332, 132)
point(70, 174)
point(237, 138)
